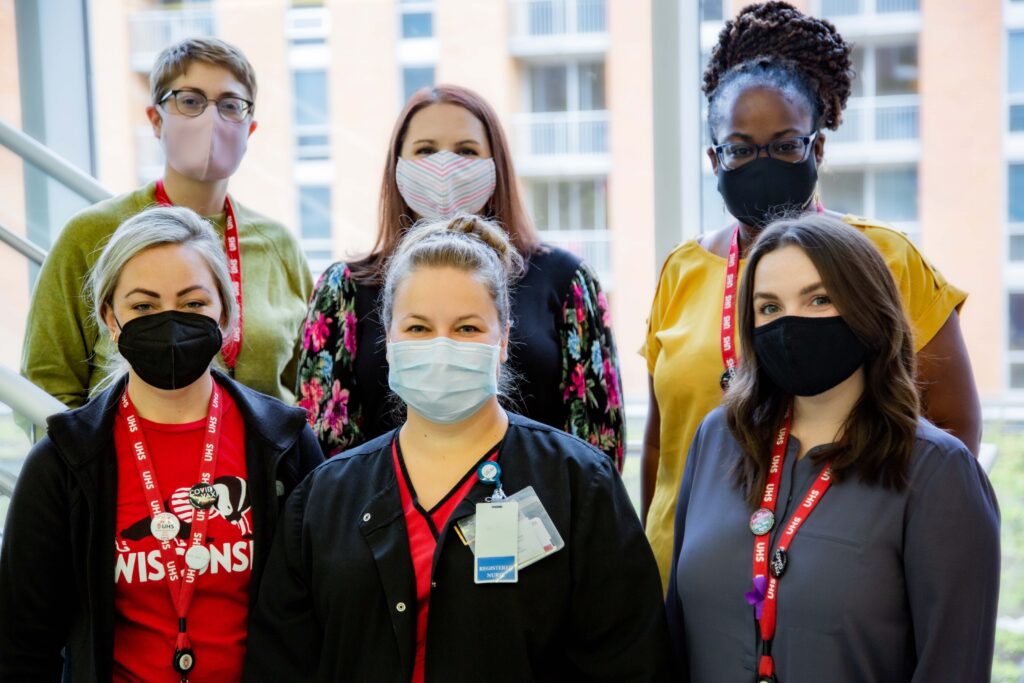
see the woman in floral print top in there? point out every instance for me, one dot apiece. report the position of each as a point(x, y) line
point(561, 349)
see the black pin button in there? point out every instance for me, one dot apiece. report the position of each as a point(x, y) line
point(202, 496)
point(780, 560)
point(727, 378)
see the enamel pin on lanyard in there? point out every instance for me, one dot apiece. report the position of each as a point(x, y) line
point(767, 572)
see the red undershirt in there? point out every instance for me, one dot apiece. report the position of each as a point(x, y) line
point(424, 528)
point(145, 622)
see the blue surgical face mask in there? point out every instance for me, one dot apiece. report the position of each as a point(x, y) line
point(443, 380)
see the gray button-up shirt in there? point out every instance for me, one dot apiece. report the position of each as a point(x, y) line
point(881, 585)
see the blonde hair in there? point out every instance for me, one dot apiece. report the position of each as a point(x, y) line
point(156, 227)
point(466, 242)
point(175, 60)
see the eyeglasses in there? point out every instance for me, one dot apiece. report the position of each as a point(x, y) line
point(193, 103)
point(733, 155)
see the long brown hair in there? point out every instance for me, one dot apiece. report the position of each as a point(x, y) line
point(878, 436)
point(395, 217)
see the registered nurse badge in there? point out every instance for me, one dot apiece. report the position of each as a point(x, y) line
point(762, 521)
point(164, 526)
point(202, 496)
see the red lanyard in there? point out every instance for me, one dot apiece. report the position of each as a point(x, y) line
point(761, 524)
point(165, 525)
point(233, 345)
point(732, 271)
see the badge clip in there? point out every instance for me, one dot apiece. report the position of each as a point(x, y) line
point(490, 473)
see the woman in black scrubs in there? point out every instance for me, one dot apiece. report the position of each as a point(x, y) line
point(373, 576)
point(825, 531)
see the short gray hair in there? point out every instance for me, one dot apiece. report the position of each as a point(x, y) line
point(156, 227)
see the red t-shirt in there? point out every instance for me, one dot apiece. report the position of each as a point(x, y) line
point(424, 528)
point(145, 621)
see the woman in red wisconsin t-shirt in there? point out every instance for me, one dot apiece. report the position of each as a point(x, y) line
point(168, 482)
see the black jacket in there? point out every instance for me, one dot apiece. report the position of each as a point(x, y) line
point(57, 563)
point(338, 601)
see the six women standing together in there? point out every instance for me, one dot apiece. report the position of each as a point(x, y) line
point(388, 562)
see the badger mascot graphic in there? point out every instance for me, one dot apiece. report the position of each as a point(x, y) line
point(232, 502)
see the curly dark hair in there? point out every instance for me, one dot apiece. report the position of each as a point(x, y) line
point(776, 45)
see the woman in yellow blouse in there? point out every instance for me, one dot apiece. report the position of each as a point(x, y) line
point(776, 79)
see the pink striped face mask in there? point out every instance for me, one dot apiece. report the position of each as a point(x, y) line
point(444, 184)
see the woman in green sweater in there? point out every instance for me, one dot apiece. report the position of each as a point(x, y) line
point(202, 111)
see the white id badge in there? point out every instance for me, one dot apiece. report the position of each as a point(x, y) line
point(538, 536)
point(495, 557)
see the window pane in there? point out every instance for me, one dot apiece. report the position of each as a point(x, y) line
point(710, 10)
point(418, 25)
point(843, 191)
point(315, 212)
point(548, 88)
point(564, 207)
point(539, 202)
point(1015, 62)
point(1015, 192)
point(896, 194)
point(1017, 117)
point(1016, 326)
point(1017, 369)
point(1017, 247)
point(416, 77)
point(896, 70)
point(310, 97)
point(588, 205)
point(592, 86)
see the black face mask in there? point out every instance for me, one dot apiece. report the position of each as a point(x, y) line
point(807, 356)
point(170, 350)
point(765, 189)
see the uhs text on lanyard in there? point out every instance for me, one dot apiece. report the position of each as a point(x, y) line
point(165, 526)
point(767, 574)
point(233, 345)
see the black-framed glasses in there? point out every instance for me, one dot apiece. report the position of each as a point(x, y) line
point(794, 150)
point(190, 102)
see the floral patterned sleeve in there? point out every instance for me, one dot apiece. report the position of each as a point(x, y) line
point(590, 368)
point(326, 361)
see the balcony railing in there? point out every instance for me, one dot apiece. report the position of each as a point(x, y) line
point(563, 133)
point(845, 8)
point(152, 31)
point(593, 246)
point(870, 119)
point(545, 18)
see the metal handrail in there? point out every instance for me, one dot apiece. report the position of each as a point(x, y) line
point(53, 165)
point(26, 399)
point(29, 250)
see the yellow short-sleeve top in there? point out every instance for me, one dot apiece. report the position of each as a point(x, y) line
point(685, 360)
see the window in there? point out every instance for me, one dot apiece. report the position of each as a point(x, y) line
point(578, 86)
point(1015, 329)
point(896, 194)
point(309, 97)
point(414, 78)
point(843, 191)
point(889, 194)
point(711, 10)
point(315, 226)
point(416, 19)
point(896, 70)
point(1015, 210)
point(572, 214)
point(884, 102)
point(1015, 79)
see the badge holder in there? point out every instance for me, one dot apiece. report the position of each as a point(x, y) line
point(495, 557)
point(538, 536)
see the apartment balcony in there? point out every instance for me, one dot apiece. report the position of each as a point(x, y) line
point(152, 31)
point(873, 17)
point(542, 28)
point(878, 129)
point(563, 142)
point(593, 246)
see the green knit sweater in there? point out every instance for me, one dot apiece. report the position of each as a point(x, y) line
point(65, 353)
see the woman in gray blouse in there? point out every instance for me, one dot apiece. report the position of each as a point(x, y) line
point(825, 531)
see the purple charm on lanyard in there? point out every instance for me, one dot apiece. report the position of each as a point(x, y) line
point(756, 596)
